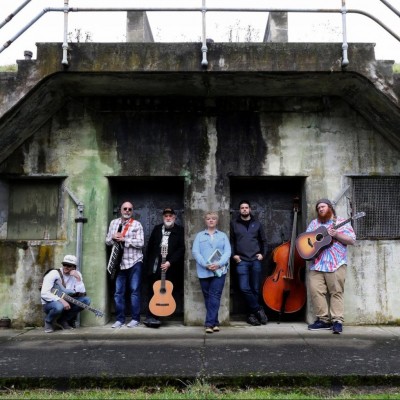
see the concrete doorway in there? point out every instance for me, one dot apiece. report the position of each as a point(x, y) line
point(150, 195)
point(272, 203)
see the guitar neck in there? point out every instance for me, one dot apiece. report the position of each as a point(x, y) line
point(70, 299)
point(342, 223)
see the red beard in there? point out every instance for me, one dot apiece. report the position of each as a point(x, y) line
point(325, 218)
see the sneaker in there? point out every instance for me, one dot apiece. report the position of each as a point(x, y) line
point(133, 324)
point(252, 320)
point(337, 327)
point(48, 327)
point(216, 328)
point(117, 324)
point(209, 329)
point(65, 325)
point(261, 316)
point(320, 325)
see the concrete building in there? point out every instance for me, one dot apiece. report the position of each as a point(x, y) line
point(145, 122)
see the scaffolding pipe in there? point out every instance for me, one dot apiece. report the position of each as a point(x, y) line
point(204, 62)
point(204, 10)
point(345, 46)
point(13, 14)
point(65, 42)
point(388, 5)
point(80, 220)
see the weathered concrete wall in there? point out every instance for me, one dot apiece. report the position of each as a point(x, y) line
point(205, 141)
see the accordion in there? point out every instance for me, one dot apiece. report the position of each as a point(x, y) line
point(114, 262)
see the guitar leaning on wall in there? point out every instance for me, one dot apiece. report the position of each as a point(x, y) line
point(66, 295)
point(162, 304)
point(309, 244)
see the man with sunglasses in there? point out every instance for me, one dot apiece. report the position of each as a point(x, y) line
point(56, 308)
point(129, 233)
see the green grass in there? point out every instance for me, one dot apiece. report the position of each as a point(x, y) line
point(200, 390)
point(8, 68)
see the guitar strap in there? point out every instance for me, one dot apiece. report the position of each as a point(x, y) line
point(126, 227)
point(164, 242)
point(61, 276)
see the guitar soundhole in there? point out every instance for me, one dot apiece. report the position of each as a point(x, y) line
point(319, 237)
point(163, 291)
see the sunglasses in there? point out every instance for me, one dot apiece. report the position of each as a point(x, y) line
point(127, 209)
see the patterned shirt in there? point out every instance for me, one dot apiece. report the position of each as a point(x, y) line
point(134, 241)
point(335, 255)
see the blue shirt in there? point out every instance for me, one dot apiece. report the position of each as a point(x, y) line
point(203, 247)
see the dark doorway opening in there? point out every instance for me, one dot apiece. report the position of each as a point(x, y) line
point(272, 203)
point(149, 195)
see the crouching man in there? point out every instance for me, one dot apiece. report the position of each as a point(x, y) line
point(66, 279)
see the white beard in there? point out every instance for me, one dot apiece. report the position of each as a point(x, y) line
point(168, 224)
point(126, 216)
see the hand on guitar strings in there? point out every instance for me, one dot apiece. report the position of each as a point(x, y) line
point(165, 266)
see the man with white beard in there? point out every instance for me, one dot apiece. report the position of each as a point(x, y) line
point(170, 236)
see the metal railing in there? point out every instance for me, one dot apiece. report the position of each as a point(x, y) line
point(204, 10)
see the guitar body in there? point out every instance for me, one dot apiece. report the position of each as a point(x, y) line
point(309, 244)
point(162, 303)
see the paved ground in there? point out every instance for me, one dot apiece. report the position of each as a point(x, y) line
point(241, 354)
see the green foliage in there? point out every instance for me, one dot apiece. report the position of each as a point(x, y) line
point(203, 390)
point(396, 68)
point(9, 68)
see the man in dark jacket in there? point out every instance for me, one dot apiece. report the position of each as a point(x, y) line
point(249, 248)
point(170, 235)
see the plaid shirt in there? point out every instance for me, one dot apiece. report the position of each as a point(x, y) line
point(134, 242)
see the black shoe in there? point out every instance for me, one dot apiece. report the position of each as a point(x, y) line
point(261, 316)
point(152, 322)
point(252, 320)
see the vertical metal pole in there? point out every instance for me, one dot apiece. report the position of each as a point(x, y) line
point(204, 62)
point(65, 43)
point(79, 235)
point(345, 46)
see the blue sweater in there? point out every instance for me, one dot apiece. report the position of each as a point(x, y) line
point(203, 247)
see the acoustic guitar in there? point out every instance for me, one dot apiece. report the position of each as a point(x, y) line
point(309, 244)
point(162, 303)
point(66, 295)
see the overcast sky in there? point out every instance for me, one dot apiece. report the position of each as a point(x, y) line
point(177, 27)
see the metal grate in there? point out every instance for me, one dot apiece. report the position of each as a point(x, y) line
point(379, 198)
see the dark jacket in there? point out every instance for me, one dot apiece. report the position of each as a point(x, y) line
point(246, 243)
point(176, 252)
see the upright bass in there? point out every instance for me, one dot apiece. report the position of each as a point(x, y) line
point(284, 291)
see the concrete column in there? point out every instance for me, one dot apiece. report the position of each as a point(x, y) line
point(277, 27)
point(138, 27)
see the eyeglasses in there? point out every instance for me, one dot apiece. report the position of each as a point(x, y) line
point(127, 209)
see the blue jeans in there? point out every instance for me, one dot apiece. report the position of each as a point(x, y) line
point(55, 310)
point(133, 278)
point(249, 274)
point(212, 291)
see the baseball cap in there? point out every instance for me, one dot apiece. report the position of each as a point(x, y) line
point(70, 259)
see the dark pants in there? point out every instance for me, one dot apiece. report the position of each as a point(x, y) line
point(249, 275)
